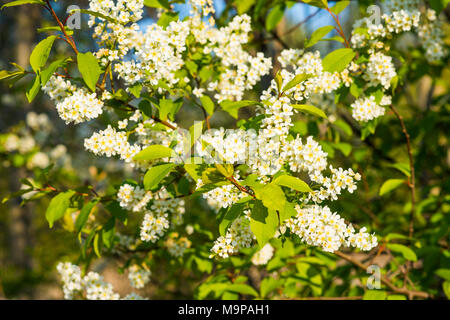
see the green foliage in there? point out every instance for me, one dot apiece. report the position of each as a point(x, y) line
point(58, 206)
point(154, 152)
point(89, 69)
point(338, 60)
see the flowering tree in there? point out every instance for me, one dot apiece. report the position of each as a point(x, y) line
point(273, 196)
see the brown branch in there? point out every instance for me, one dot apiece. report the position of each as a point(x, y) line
point(155, 118)
point(385, 280)
point(339, 27)
point(412, 180)
point(61, 26)
point(411, 184)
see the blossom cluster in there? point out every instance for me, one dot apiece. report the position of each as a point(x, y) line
point(238, 236)
point(318, 226)
point(261, 257)
point(366, 109)
point(138, 276)
point(73, 104)
point(176, 245)
point(91, 287)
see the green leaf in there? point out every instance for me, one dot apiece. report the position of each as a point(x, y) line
point(108, 232)
point(58, 206)
point(232, 213)
point(345, 148)
point(34, 89)
point(335, 38)
point(390, 185)
point(117, 211)
point(402, 167)
point(268, 285)
point(4, 74)
point(406, 252)
point(339, 6)
point(242, 289)
point(89, 69)
point(293, 183)
point(163, 4)
point(232, 107)
point(443, 273)
point(50, 70)
point(97, 246)
point(396, 297)
point(341, 124)
point(166, 18)
point(207, 104)
point(96, 14)
point(20, 2)
point(274, 17)
point(84, 214)
point(263, 223)
point(317, 35)
point(375, 295)
point(317, 3)
point(272, 196)
point(168, 107)
point(278, 80)
point(338, 60)
point(310, 109)
point(155, 174)
point(446, 288)
point(244, 6)
point(154, 152)
point(295, 81)
point(55, 29)
point(39, 56)
point(136, 89)
point(288, 212)
point(195, 131)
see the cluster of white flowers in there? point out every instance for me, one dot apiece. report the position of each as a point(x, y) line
point(177, 245)
point(221, 197)
point(308, 63)
point(243, 70)
point(110, 142)
point(120, 27)
point(98, 289)
point(71, 278)
point(158, 55)
point(431, 34)
point(365, 109)
point(263, 256)
point(38, 160)
point(380, 70)
point(154, 226)
point(332, 186)
point(318, 226)
point(23, 144)
point(58, 89)
point(37, 121)
point(402, 16)
point(138, 276)
point(73, 104)
point(237, 237)
point(155, 223)
point(91, 287)
point(133, 198)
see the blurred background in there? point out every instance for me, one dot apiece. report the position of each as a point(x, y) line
point(32, 136)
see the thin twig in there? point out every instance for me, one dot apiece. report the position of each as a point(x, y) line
point(411, 184)
point(386, 281)
point(63, 29)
